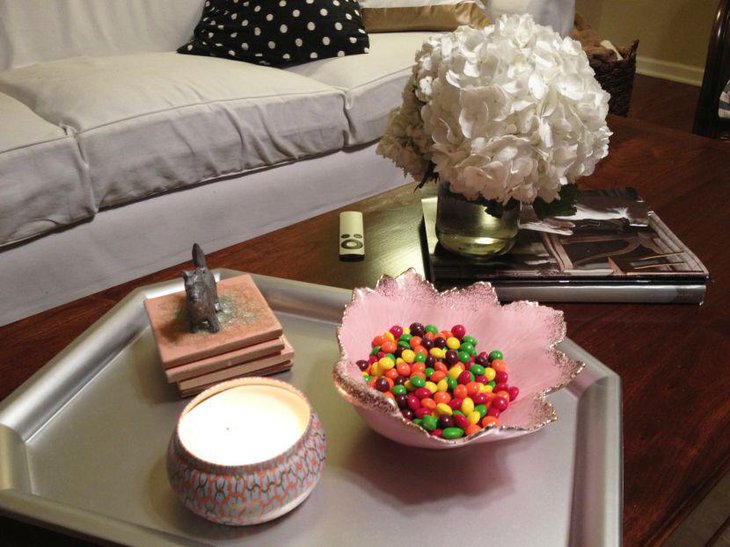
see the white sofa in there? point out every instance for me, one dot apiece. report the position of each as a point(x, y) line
point(116, 153)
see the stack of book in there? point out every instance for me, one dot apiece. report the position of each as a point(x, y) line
point(250, 341)
point(614, 249)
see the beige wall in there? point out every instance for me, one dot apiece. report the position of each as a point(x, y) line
point(673, 34)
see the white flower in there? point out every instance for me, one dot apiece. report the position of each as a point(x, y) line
point(512, 110)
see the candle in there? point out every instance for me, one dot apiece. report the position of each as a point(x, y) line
point(245, 424)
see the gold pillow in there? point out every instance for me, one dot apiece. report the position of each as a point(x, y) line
point(413, 15)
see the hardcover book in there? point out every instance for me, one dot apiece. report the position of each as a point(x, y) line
point(613, 249)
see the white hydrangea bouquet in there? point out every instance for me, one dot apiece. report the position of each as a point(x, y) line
point(506, 114)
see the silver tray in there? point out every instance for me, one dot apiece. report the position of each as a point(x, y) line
point(82, 446)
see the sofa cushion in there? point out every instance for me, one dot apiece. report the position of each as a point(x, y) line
point(44, 182)
point(372, 83)
point(409, 15)
point(278, 33)
point(147, 123)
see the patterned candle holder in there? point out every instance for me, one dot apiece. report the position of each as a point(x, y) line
point(229, 470)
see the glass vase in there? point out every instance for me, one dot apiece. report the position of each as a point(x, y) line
point(464, 227)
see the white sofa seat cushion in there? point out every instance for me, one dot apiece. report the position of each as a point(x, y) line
point(44, 182)
point(148, 123)
point(372, 83)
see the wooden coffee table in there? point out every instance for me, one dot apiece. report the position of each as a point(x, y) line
point(673, 359)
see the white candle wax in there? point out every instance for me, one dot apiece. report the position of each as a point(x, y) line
point(244, 424)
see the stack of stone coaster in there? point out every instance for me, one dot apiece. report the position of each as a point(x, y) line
point(250, 341)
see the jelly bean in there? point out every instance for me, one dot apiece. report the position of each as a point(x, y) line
point(482, 359)
point(401, 400)
point(407, 413)
point(469, 339)
point(401, 380)
point(375, 350)
point(476, 370)
point(451, 357)
point(428, 403)
point(399, 390)
point(474, 417)
point(442, 397)
point(408, 356)
point(386, 363)
point(444, 409)
point(362, 364)
point(490, 421)
point(501, 387)
point(389, 394)
point(418, 367)
point(456, 370)
point(391, 373)
point(469, 348)
point(430, 361)
point(501, 377)
point(376, 369)
point(489, 374)
point(378, 341)
point(473, 428)
point(417, 421)
point(446, 420)
point(421, 357)
point(488, 388)
point(437, 432)
point(467, 406)
point(461, 421)
point(481, 379)
point(431, 328)
point(372, 359)
point(417, 381)
point(458, 331)
point(437, 375)
point(500, 403)
point(402, 344)
point(389, 336)
point(381, 384)
point(388, 347)
point(414, 402)
point(446, 334)
point(417, 329)
point(498, 365)
point(396, 331)
point(472, 388)
point(455, 403)
point(452, 433)
point(514, 391)
point(453, 343)
point(452, 382)
point(421, 411)
point(428, 371)
point(465, 377)
point(418, 373)
point(415, 341)
point(460, 391)
point(431, 387)
point(435, 353)
point(403, 368)
point(496, 354)
point(439, 342)
point(480, 399)
point(422, 392)
point(406, 336)
point(443, 385)
point(481, 409)
point(429, 423)
point(464, 356)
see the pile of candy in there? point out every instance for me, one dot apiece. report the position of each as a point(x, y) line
point(438, 379)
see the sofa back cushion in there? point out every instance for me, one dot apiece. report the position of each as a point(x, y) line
point(32, 31)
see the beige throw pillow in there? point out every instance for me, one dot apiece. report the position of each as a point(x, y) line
point(419, 15)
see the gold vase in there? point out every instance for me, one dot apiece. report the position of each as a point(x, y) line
point(466, 228)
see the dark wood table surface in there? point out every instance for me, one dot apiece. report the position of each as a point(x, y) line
point(673, 359)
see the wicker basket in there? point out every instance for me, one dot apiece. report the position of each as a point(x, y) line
point(617, 78)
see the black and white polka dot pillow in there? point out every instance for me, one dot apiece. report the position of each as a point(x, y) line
point(278, 32)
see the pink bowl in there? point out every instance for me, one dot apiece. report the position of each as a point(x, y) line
point(526, 332)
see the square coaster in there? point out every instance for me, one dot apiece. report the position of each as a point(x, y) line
point(225, 360)
point(275, 369)
point(245, 318)
point(287, 354)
